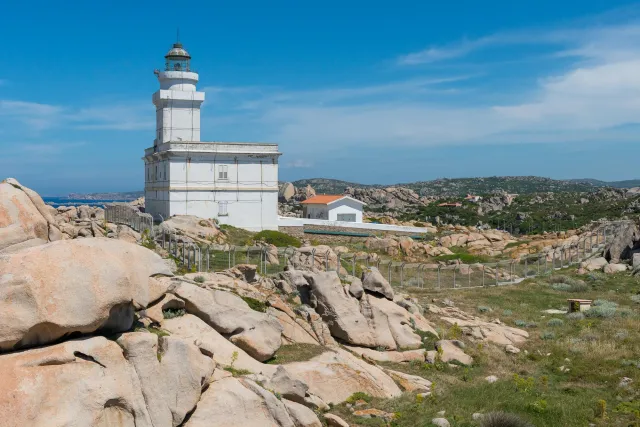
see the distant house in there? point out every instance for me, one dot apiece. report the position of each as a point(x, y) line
point(473, 198)
point(333, 208)
point(450, 205)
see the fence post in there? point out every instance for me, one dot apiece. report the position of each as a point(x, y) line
point(497, 267)
point(326, 261)
point(455, 267)
point(513, 270)
point(526, 267)
point(401, 275)
point(483, 268)
point(208, 258)
point(469, 273)
point(232, 257)
point(389, 272)
point(353, 265)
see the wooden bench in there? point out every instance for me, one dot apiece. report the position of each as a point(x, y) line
point(576, 304)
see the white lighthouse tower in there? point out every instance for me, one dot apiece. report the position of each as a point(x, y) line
point(233, 182)
point(177, 101)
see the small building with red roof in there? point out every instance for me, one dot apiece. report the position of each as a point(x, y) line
point(333, 208)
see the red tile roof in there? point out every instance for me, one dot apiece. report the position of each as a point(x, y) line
point(322, 200)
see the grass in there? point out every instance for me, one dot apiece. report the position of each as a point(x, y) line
point(277, 238)
point(463, 255)
point(237, 236)
point(596, 353)
point(296, 353)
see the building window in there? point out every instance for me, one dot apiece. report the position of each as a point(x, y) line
point(347, 217)
point(222, 209)
point(223, 172)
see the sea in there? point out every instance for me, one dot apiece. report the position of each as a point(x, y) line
point(63, 201)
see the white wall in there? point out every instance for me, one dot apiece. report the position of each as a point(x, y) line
point(345, 206)
point(299, 222)
point(252, 210)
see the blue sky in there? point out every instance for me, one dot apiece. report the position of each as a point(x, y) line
point(372, 92)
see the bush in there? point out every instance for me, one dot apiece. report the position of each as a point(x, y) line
point(484, 309)
point(576, 315)
point(277, 238)
point(555, 322)
point(358, 395)
point(199, 279)
point(635, 298)
point(602, 309)
point(507, 312)
point(567, 284)
point(531, 325)
point(547, 335)
point(520, 323)
point(503, 419)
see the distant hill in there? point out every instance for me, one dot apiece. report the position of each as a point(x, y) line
point(329, 186)
point(128, 195)
point(615, 184)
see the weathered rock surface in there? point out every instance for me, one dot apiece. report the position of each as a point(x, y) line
point(373, 281)
point(335, 421)
point(193, 227)
point(335, 375)
point(74, 286)
point(256, 333)
point(172, 374)
point(614, 268)
point(234, 402)
point(77, 383)
point(25, 220)
point(594, 264)
point(450, 352)
point(410, 382)
point(339, 310)
point(210, 341)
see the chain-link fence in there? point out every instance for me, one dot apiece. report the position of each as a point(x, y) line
point(125, 214)
point(270, 260)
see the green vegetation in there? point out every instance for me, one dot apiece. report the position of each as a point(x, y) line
point(595, 353)
point(170, 313)
point(463, 255)
point(158, 331)
point(277, 238)
point(255, 304)
point(237, 236)
point(296, 353)
point(236, 372)
point(199, 279)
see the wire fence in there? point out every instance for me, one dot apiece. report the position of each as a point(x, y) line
point(197, 257)
point(125, 214)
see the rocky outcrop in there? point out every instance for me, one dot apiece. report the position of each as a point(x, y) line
point(74, 286)
point(388, 198)
point(25, 220)
point(194, 228)
point(335, 375)
point(623, 244)
point(172, 374)
point(77, 383)
point(256, 333)
point(374, 282)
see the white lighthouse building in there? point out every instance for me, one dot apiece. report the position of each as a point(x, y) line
point(235, 183)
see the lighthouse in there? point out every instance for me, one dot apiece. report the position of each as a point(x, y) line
point(235, 183)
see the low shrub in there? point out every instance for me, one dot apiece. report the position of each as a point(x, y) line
point(547, 335)
point(520, 323)
point(576, 315)
point(567, 284)
point(484, 309)
point(277, 238)
point(562, 287)
point(531, 325)
point(635, 298)
point(602, 309)
point(503, 419)
point(555, 323)
point(199, 279)
point(507, 312)
point(358, 395)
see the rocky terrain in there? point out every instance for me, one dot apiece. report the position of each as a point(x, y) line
point(103, 332)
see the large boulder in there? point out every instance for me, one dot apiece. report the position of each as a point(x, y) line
point(594, 264)
point(194, 227)
point(224, 353)
point(623, 243)
point(78, 383)
point(259, 334)
point(286, 191)
point(373, 281)
point(338, 309)
point(240, 402)
point(172, 374)
point(74, 286)
point(335, 375)
point(25, 219)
